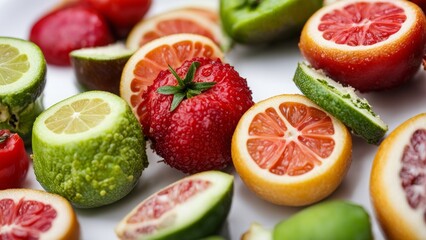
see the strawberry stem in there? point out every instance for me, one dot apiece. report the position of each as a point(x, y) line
point(186, 87)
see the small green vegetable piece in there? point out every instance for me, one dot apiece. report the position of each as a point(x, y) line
point(186, 88)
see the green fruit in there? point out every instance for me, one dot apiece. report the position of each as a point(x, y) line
point(22, 81)
point(194, 207)
point(100, 68)
point(341, 102)
point(260, 21)
point(328, 220)
point(89, 148)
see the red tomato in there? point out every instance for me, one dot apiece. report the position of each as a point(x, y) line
point(14, 160)
point(122, 14)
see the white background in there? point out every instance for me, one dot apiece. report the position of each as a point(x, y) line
point(269, 71)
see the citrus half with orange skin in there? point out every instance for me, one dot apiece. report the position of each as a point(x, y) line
point(35, 214)
point(289, 151)
point(368, 44)
point(186, 20)
point(398, 181)
point(145, 64)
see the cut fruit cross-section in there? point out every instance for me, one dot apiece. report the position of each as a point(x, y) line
point(34, 214)
point(187, 20)
point(363, 43)
point(155, 56)
point(291, 152)
point(191, 208)
point(398, 181)
point(89, 148)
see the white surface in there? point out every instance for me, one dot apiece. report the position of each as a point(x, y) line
point(269, 71)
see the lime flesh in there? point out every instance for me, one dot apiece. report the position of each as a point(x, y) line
point(260, 21)
point(341, 102)
point(22, 81)
point(89, 148)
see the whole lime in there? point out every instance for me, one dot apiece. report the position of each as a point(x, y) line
point(89, 148)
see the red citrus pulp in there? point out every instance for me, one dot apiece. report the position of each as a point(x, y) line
point(364, 43)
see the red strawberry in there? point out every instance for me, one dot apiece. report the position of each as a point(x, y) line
point(69, 28)
point(190, 121)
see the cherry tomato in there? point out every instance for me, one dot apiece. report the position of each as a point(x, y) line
point(122, 14)
point(14, 161)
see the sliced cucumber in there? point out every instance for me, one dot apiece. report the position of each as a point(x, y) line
point(341, 102)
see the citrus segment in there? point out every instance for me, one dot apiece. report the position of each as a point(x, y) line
point(289, 151)
point(341, 102)
point(366, 24)
point(13, 64)
point(89, 148)
point(34, 214)
point(398, 183)
point(187, 20)
point(191, 208)
point(155, 56)
point(363, 43)
point(285, 156)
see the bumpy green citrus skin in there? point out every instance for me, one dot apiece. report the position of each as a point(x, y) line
point(328, 220)
point(20, 101)
point(260, 21)
point(354, 112)
point(94, 171)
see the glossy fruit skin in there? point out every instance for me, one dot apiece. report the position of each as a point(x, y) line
point(14, 161)
point(335, 219)
point(122, 14)
point(366, 70)
point(197, 135)
point(69, 28)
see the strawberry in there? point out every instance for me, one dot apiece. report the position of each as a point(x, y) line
point(190, 120)
point(69, 28)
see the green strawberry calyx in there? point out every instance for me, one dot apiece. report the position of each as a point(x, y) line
point(186, 87)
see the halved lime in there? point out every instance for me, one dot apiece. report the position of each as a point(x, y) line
point(89, 148)
point(194, 207)
point(341, 102)
point(22, 81)
point(255, 21)
point(100, 68)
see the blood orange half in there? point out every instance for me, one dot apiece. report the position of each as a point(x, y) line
point(186, 20)
point(191, 208)
point(155, 56)
point(289, 151)
point(34, 214)
point(368, 44)
point(398, 181)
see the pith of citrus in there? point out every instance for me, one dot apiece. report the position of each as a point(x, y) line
point(341, 102)
point(363, 43)
point(35, 214)
point(398, 181)
point(89, 148)
point(155, 56)
point(22, 81)
point(289, 151)
point(185, 20)
point(191, 208)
